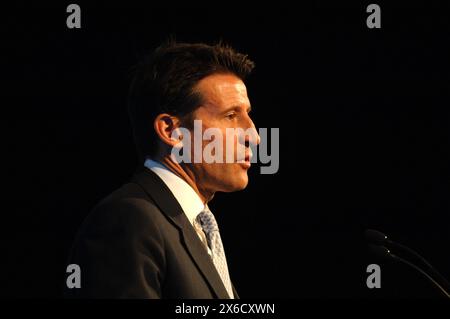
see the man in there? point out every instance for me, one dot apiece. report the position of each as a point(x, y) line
point(155, 237)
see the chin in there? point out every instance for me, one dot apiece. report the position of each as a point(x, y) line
point(231, 180)
point(239, 183)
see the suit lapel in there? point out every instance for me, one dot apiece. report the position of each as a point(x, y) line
point(157, 190)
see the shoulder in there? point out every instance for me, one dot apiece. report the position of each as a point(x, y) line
point(128, 210)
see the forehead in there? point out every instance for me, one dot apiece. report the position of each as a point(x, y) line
point(223, 89)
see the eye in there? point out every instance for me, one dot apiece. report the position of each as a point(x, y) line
point(231, 116)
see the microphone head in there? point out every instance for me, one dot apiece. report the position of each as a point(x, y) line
point(375, 237)
point(381, 251)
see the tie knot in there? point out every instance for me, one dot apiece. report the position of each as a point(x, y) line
point(207, 221)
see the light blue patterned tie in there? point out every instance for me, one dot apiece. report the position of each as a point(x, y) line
point(211, 230)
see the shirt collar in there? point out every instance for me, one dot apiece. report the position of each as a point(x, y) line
point(188, 199)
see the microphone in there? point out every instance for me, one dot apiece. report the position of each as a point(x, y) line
point(378, 240)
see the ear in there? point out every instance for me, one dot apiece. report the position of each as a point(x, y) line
point(164, 125)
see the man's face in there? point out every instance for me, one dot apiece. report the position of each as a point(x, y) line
point(226, 105)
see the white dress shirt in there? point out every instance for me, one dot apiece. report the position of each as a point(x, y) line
point(188, 199)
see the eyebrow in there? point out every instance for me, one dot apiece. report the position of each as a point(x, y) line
point(236, 107)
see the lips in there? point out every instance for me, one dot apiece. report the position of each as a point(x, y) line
point(246, 158)
point(245, 165)
point(245, 162)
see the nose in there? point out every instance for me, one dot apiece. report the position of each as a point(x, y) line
point(253, 136)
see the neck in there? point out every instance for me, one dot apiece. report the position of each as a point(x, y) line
point(187, 175)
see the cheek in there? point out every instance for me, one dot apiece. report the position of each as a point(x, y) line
point(231, 142)
point(227, 171)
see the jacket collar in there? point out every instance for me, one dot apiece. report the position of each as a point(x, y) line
point(167, 203)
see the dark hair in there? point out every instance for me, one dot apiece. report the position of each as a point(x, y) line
point(164, 83)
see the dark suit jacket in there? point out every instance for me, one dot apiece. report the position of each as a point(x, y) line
point(138, 243)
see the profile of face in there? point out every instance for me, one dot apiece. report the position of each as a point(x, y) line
point(225, 105)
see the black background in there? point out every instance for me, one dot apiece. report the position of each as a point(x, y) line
point(364, 139)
